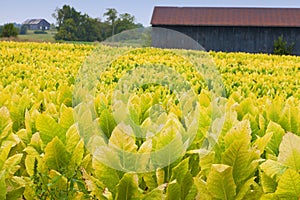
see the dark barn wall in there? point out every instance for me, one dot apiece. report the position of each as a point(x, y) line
point(42, 25)
point(233, 39)
point(33, 27)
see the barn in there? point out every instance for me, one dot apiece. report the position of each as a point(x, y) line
point(37, 24)
point(229, 29)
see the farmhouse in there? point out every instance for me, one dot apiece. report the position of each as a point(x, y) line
point(229, 29)
point(37, 24)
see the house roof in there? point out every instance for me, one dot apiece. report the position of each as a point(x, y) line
point(226, 16)
point(33, 21)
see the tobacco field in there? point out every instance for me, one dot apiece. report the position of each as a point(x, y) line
point(246, 147)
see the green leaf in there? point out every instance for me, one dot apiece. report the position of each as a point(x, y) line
point(56, 155)
point(246, 106)
point(206, 161)
point(168, 146)
point(76, 158)
point(11, 164)
point(173, 191)
point(86, 125)
point(107, 122)
point(274, 110)
point(156, 194)
point(183, 177)
point(66, 117)
point(4, 154)
point(241, 131)
point(27, 121)
point(285, 118)
point(268, 184)
point(289, 151)
point(272, 168)
point(122, 142)
point(146, 102)
point(269, 196)
point(127, 188)
point(229, 121)
point(243, 160)
point(149, 180)
point(262, 142)
point(36, 142)
point(203, 192)
point(289, 185)
point(143, 157)
point(246, 188)
point(135, 109)
point(72, 138)
point(108, 176)
point(220, 182)
point(64, 95)
point(277, 135)
point(2, 186)
point(180, 171)
point(95, 186)
point(49, 128)
point(15, 194)
point(262, 122)
point(5, 119)
point(123, 138)
point(192, 193)
point(31, 156)
point(295, 122)
point(160, 176)
point(6, 124)
point(186, 185)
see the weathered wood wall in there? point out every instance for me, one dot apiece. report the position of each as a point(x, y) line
point(232, 39)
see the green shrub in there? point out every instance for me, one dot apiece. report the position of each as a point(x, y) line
point(9, 30)
point(40, 32)
point(23, 30)
point(281, 47)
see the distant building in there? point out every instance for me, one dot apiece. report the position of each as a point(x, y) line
point(229, 29)
point(37, 24)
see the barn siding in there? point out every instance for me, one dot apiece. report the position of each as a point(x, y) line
point(42, 25)
point(233, 39)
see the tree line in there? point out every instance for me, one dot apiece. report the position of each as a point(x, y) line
point(9, 30)
point(72, 25)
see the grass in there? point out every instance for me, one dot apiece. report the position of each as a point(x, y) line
point(32, 37)
point(49, 37)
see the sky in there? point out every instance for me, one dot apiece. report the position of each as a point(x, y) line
point(20, 10)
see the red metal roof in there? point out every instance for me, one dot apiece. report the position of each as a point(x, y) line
point(217, 16)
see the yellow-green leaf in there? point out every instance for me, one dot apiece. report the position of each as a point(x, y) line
point(289, 185)
point(289, 151)
point(49, 128)
point(220, 182)
point(56, 155)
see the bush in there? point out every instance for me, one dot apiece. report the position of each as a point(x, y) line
point(9, 30)
point(23, 30)
point(281, 47)
point(40, 32)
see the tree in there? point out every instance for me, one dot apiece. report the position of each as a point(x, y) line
point(23, 30)
point(74, 26)
point(67, 31)
point(111, 17)
point(9, 30)
point(126, 22)
point(65, 13)
point(281, 47)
